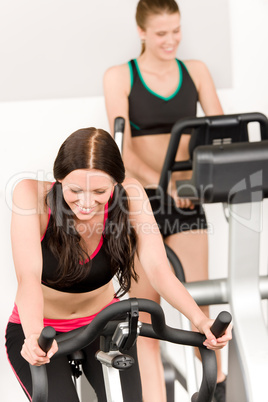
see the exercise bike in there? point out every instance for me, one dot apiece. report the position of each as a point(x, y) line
point(117, 337)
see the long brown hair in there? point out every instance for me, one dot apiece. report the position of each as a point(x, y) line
point(146, 8)
point(91, 148)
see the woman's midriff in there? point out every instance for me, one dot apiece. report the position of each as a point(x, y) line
point(61, 305)
point(152, 150)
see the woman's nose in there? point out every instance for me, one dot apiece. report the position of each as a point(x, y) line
point(87, 199)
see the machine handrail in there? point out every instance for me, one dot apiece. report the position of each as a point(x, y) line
point(84, 336)
point(206, 123)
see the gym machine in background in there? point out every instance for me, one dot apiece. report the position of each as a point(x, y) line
point(229, 169)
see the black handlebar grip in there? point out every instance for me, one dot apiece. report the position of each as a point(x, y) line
point(221, 323)
point(119, 125)
point(46, 338)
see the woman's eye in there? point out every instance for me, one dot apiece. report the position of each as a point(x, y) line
point(100, 192)
point(76, 191)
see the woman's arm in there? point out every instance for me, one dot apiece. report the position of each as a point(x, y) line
point(27, 256)
point(210, 104)
point(152, 255)
point(203, 81)
point(116, 84)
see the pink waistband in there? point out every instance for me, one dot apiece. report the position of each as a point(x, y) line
point(61, 325)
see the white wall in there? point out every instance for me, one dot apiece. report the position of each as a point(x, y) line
point(60, 49)
point(31, 132)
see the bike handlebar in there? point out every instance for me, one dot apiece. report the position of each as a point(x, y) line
point(46, 338)
point(221, 323)
point(82, 337)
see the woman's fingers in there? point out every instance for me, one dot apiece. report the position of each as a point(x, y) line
point(33, 353)
point(184, 203)
point(53, 349)
point(218, 343)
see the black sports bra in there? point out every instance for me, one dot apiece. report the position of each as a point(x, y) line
point(99, 274)
point(150, 113)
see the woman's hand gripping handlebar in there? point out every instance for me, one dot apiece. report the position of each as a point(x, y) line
point(78, 339)
point(46, 338)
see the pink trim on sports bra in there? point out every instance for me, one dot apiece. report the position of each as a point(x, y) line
point(61, 325)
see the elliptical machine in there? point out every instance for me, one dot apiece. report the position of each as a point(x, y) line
point(229, 169)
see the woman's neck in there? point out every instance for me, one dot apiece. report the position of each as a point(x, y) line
point(150, 63)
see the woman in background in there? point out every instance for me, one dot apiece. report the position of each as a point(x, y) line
point(151, 93)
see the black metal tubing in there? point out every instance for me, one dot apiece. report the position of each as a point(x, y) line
point(119, 125)
point(80, 338)
point(176, 263)
point(209, 364)
point(119, 128)
point(236, 122)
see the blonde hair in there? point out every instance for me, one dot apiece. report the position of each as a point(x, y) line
point(146, 8)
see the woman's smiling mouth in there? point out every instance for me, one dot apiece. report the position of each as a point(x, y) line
point(84, 210)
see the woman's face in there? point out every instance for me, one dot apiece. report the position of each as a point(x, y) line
point(162, 35)
point(87, 191)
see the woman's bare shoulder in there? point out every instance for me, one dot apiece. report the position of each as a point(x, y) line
point(193, 63)
point(199, 72)
point(30, 192)
point(196, 67)
point(134, 189)
point(131, 182)
point(119, 71)
point(32, 186)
